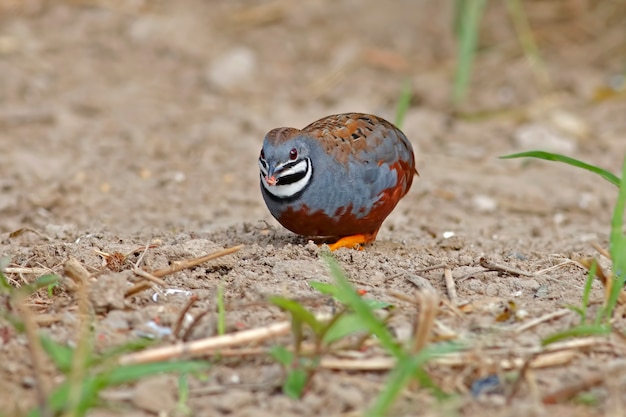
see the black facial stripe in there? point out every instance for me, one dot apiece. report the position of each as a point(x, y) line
point(292, 164)
point(290, 179)
point(262, 161)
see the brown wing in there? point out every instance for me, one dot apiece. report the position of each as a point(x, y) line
point(361, 135)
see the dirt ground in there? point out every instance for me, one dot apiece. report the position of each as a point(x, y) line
point(131, 122)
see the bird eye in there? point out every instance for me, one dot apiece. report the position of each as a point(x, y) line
point(262, 156)
point(293, 154)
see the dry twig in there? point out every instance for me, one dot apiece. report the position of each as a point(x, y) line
point(492, 266)
point(208, 345)
point(190, 263)
point(450, 286)
point(425, 321)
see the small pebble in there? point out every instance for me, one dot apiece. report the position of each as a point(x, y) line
point(232, 69)
point(484, 203)
point(536, 136)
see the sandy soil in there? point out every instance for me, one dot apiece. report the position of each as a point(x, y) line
point(131, 122)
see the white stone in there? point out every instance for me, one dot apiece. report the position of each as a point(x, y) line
point(235, 67)
point(484, 203)
point(534, 136)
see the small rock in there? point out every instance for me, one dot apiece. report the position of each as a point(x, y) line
point(107, 291)
point(452, 243)
point(156, 394)
point(232, 69)
point(492, 290)
point(352, 397)
point(475, 286)
point(232, 400)
point(420, 282)
point(116, 320)
point(569, 124)
point(484, 203)
point(535, 136)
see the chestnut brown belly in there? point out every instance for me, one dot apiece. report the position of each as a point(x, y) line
point(344, 222)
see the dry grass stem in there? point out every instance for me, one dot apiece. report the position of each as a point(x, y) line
point(605, 279)
point(567, 392)
point(368, 364)
point(23, 270)
point(492, 266)
point(450, 286)
point(208, 345)
point(137, 288)
point(77, 272)
point(428, 303)
point(557, 266)
point(181, 316)
point(36, 353)
point(546, 317)
point(601, 250)
point(190, 263)
point(148, 276)
point(193, 324)
point(431, 268)
point(155, 276)
point(23, 230)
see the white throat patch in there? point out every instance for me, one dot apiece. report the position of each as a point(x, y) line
point(288, 190)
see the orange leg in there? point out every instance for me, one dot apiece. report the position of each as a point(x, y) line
point(354, 241)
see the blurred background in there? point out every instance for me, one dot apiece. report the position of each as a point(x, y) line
point(149, 114)
point(124, 122)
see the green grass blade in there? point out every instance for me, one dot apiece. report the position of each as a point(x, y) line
point(527, 41)
point(344, 326)
point(587, 291)
point(578, 331)
point(183, 396)
point(61, 355)
point(405, 370)
point(131, 373)
point(295, 383)
point(324, 288)
point(347, 295)
point(549, 156)
point(460, 6)
point(332, 290)
point(114, 352)
point(618, 240)
point(469, 14)
point(404, 102)
point(298, 312)
point(93, 384)
point(617, 247)
point(5, 287)
point(282, 355)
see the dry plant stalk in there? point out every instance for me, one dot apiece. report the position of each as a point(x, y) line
point(155, 276)
point(492, 266)
point(190, 263)
point(208, 345)
point(36, 352)
point(181, 316)
point(79, 274)
point(605, 279)
point(450, 286)
point(428, 301)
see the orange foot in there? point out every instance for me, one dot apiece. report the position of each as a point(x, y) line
point(353, 241)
